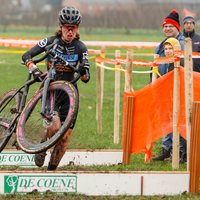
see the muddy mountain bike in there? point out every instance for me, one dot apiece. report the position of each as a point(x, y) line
point(30, 120)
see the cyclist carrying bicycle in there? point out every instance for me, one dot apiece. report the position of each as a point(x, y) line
point(72, 50)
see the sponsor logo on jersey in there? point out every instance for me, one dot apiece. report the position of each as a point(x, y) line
point(42, 43)
point(85, 56)
point(196, 42)
point(69, 58)
point(61, 68)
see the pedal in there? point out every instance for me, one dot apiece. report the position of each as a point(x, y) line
point(49, 118)
point(16, 145)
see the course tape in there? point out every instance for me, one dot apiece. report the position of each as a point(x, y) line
point(121, 69)
point(135, 62)
point(23, 51)
point(179, 53)
point(162, 60)
point(123, 61)
point(167, 59)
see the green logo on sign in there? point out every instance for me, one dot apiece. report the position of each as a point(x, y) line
point(28, 183)
point(10, 183)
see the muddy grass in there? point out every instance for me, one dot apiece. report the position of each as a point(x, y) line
point(53, 196)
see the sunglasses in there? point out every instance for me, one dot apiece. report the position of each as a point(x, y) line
point(69, 27)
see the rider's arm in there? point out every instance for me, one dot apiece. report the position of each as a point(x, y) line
point(36, 50)
point(27, 58)
point(84, 64)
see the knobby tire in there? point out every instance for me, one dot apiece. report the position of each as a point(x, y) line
point(32, 126)
point(7, 115)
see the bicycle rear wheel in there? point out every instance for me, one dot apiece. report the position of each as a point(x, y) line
point(32, 124)
point(7, 114)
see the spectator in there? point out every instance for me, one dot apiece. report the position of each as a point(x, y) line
point(188, 25)
point(169, 47)
point(171, 29)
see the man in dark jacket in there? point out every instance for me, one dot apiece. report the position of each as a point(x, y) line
point(188, 25)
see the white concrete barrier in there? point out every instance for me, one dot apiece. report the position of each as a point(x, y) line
point(91, 183)
point(76, 157)
point(96, 183)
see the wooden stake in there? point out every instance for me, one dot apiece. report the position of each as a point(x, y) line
point(117, 101)
point(154, 74)
point(188, 91)
point(128, 130)
point(102, 75)
point(194, 162)
point(176, 112)
point(128, 76)
point(99, 111)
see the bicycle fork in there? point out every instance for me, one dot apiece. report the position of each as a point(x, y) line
point(43, 113)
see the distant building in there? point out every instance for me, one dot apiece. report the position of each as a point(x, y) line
point(95, 6)
point(16, 9)
point(167, 1)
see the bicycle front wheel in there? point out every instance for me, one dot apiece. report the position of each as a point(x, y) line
point(7, 115)
point(62, 104)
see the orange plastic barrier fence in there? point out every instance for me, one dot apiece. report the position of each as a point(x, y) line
point(25, 43)
point(28, 43)
point(153, 112)
point(18, 42)
point(92, 51)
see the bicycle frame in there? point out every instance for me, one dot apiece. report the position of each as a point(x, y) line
point(26, 86)
point(49, 77)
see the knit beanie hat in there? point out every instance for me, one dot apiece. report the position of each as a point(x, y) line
point(173, 19)
point(188, 18)
point(172, 41)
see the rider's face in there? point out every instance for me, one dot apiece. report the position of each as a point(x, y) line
point(68, 32)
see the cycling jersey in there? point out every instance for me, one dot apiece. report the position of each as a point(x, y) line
point(72, 52)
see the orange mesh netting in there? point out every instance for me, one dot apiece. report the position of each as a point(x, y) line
point(135, 62)
point(153, 111)
point(105, 60)
point(179, 53)
point(161, 60)
point(167, 59)
point(123, 60)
